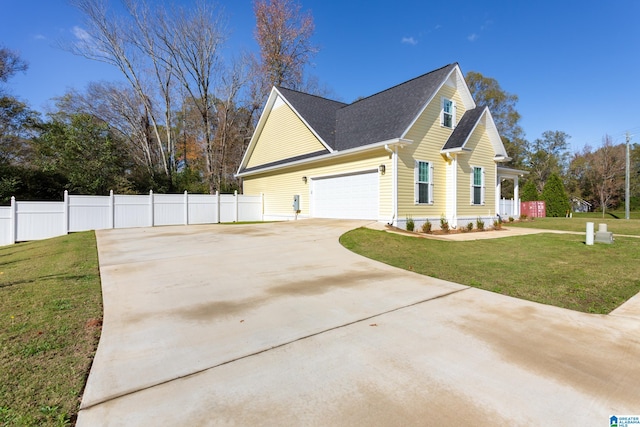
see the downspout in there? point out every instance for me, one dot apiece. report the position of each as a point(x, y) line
point(394, 178)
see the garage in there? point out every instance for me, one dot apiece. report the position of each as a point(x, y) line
point(350, 196)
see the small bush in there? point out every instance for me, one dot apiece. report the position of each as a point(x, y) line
point(479, 224)
point(444, 224)
point(510, 219)
point(470, 226)
point(497, 224)
point(426, 227)
point(523, 217)
point(410, 224)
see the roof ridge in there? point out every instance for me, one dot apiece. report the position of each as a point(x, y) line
point(405, 82)
point(310, 94)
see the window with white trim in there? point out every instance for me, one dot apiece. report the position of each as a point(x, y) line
point(477, 186)
point(448, 114)
point(423, 182)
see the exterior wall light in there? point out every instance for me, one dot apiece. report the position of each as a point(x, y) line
point(382, 169)
point(304, 179)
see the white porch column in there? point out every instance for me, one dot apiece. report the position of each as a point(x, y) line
point(498, 194)
point(516, 197)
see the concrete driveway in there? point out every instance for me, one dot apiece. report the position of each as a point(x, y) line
point(278, 324)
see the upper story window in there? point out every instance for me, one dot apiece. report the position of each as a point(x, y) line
point(477, 186)
point(424, 182)
point(448, 118)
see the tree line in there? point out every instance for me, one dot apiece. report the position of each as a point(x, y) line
point(180, 120)
point(184, 113)
point(555, 174)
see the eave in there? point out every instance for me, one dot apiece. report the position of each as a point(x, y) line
point(397, 142)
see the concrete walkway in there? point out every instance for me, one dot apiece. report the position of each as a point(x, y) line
point(278, 324)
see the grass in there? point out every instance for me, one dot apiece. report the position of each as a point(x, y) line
point(555, 269)
point(578, 223)
point(50, 317)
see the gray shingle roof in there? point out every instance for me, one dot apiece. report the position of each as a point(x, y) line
point(386, 115)
point(319, 112)
point(380, 117)
point(463, 129)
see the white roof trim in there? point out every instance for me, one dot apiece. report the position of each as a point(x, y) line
point(511, 172)
point(275, 97)
point(336, 154)
point(467, 99)
point(494, 137)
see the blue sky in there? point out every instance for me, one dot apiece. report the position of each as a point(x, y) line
point(573, 64)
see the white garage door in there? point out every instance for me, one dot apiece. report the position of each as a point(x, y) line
point(353, 196)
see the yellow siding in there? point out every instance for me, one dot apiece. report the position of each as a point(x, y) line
point(481, 156)
point(429, 137)
point(284, 136)
point(280, 186)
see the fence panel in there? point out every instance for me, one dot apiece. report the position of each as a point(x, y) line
point(227, 208)
point(89, 213)
point(131, 211)
point(203, 209)
point(42, 220)
point(5, 225)
point(168, 209)
point(39, 220)
point(249, 208)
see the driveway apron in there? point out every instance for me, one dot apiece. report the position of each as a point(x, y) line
point(278, 324)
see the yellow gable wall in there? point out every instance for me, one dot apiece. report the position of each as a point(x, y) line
point(481, 156)
point(429, 137)
point(279, 187)
point(284, 136)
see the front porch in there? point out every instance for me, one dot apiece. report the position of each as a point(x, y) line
point(505, 207)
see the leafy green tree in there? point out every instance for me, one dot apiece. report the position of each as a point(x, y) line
point(547, 156)
point(529, 192)
point(85, 151)
point(555, 197)
point(17, 125)
point(502, 104)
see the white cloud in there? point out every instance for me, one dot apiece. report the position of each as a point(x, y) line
point(409, 40)
point(472, 37)
point(39, 37)
point(81, 34)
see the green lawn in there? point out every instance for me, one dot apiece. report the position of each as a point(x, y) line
point(50, 317)
point(579, 223)
point(555, 269)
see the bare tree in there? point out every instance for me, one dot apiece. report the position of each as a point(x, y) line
point(108, 39)
point(192, 39)
point(283, 33)
point(232, 118)
point(118, 106)
point(607, 169)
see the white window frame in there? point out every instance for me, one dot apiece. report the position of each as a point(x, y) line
point(473, 186)
point(428, 183)
point(452, 113)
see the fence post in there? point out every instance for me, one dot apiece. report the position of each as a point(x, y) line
point(112, 210)
point(150, 208)
point(217, 207)
point(65, 213)
point(186, 208)
point(261, 206)
point(14, 221)
point(235, 201)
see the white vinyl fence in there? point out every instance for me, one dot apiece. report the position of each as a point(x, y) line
point(509, 208)
point(24, 221)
